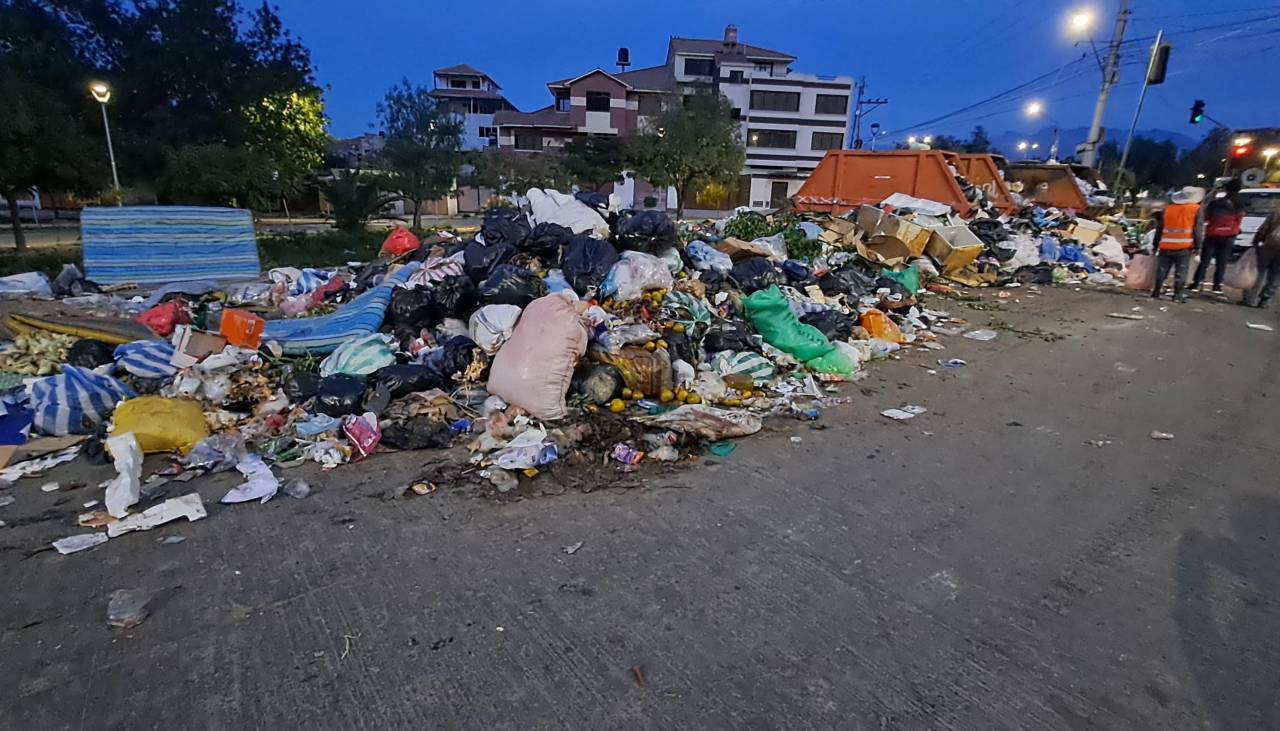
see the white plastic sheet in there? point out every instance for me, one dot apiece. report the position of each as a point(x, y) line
point(549, 206)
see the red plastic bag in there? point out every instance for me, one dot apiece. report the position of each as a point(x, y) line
point(163, 318)
point(400, 242)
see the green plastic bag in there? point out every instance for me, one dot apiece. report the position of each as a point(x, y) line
point(753, 365)
point(909, 278)
point(772, 317)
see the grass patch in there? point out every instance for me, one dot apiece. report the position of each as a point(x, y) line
point(47, 259)
point(326, 249)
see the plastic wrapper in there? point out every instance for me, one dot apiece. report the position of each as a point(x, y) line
point(599, 382)
point(645, 371)
point(706, 422)
point(689, 311)
point(615, 338)
point(879, 325)
point(636, 273)
point(90, 353)
point(125, 488)
point(491, 325)
point(649, 231)
point(755, 273)
point(215, 453)
point(479, 260)
point(128, 608)
point(511, 285)
point(161, 424)
point(340, 395)
point(547, 241)
point(832, 323)
point(362, 433)
point(534, 368)
point(587, 262)
point(705, 257)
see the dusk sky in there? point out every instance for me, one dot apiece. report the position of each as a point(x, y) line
point(930, 58)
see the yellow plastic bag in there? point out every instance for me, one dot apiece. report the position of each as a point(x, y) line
point(161, 424)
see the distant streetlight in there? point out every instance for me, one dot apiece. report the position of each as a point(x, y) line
point(911, 140)
point(876, 133)
point(1022, 146)
point(1242, 141)
point(1034, 110)
point(1199, 176)
point(1081, 21)
point(928, 139)
point(102, 94)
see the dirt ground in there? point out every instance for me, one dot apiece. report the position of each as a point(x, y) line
point(1023, 555)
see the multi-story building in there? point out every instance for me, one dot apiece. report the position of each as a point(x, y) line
point(476, 97)
point(788, 119)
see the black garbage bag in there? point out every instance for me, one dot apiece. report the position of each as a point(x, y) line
point(730, 335)
point(90, 353)
point(848, 280)
point(990, 230)
point(547, 242)
point(834, 324)
point(420, 432)
point(504, 226)
point(455, 297)
point(894, 287)
point(755, 273)
point(598, 382)
point(512, 285)
point(682, 347)
point(587, 262)
point(299, 387)
point(368, 275)
point(412, 309)
point(652, 232)
point(403, 379)
point(451, 358)
point(340, 394)
point(479, 260)
point(592, 199)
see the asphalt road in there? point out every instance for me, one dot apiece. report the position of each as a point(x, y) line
point(982, 566)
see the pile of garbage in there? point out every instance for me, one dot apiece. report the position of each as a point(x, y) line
point(561, 335)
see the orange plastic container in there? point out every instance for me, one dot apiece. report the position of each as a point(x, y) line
point(242, 328)
point(878, 325)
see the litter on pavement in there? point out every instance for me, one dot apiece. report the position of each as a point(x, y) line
point(563, 338)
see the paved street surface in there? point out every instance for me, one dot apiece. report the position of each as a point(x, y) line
point(979, 567)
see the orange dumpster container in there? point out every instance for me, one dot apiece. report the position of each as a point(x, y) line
point(1054, 184)
point(846, 179)
point(982, 171)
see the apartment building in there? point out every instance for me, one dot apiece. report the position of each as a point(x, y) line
point(476, 97)
point(788, 119)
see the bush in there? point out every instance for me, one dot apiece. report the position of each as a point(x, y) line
point(326, 249)
point(45, 259)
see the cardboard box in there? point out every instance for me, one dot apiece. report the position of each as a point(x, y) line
point(841, 226)
point(190, 346)
point(1087, 232)
point(739, 249)
point(953, 247)
point(876, 224)
point(888, 251)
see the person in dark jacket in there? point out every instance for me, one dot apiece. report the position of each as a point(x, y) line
point(1222, 217)
point(1267, 241)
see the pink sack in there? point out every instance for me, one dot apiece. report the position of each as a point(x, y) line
point(533, 368)
point(1242, 274)
point(1141, 273)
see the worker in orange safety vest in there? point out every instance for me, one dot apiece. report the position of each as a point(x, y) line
point(1176, 240)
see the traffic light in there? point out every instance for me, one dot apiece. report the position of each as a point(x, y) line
point(1159, 65)
point(1197, 112)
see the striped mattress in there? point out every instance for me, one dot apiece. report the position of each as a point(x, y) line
point(162, 244)
point(360, 316)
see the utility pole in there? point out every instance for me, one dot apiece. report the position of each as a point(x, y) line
point(860, 108)
point(1110, 75)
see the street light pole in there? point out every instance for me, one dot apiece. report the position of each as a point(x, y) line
point(1110, 75)
point(102, 93)
point(1142, 97)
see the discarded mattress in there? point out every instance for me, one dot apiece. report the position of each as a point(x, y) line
point(161, 244)
point(107, 329)
point(360, 316)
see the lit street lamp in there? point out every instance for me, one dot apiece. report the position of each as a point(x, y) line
point(1033, 110)
point(102, 94)
point(1081, 21)
point(876, 133)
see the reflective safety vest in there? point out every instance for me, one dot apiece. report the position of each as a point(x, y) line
point(1179, 231)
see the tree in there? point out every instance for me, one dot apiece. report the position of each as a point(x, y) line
point(1150, 163)
point(510, 172)
point(1205, 158)
point(356, 197)
point(595, 160)
point(288, 132)
point(423, 152)
point(692, 144)
point(220, 174)
point(979, 140)
point(44, 142)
